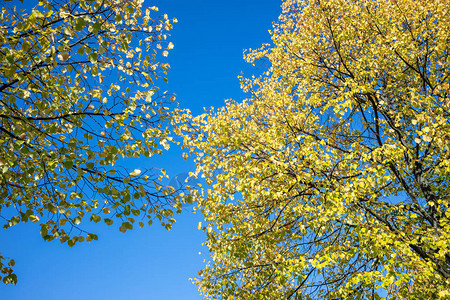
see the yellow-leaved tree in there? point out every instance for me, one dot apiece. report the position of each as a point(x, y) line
point(78, 96)
point(331, 181)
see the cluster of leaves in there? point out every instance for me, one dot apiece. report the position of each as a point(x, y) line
point(332, 180)
point(7, 271)
point(77, 96)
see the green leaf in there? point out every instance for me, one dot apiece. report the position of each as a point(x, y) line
point(10, 279)
point(93, 57)
point(91, 236)
point(68, 164)
point(127, 210)
point(127, 225)
point(80, 24)
point(25, 45)
point(71, 243)
point(96, 26)
point(15, 220)
point(77, 220)
point(101, 49)
point(95, 218)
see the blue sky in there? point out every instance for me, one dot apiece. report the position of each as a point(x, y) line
point(151, 263)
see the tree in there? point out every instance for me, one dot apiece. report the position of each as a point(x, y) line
point(78, 96)
point(331, 181)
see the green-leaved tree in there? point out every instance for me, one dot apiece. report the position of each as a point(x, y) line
point(77, 97)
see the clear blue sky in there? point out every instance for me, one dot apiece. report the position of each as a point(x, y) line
point(150, 263)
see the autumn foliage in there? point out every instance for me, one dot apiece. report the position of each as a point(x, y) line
point(331, 181)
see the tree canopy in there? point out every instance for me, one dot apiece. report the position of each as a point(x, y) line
point(78, 96)
point(331, 181)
